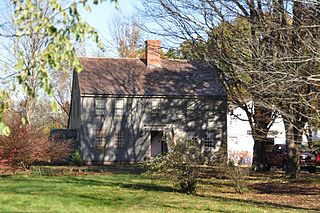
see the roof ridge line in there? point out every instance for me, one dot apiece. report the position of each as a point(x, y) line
point(93, 57)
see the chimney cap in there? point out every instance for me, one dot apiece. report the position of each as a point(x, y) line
point(153, 53)
point(153, 41)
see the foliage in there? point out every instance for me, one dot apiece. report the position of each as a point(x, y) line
point(4, 104)
point(237, 175)
point(180, 165)
point(266, 51)
point(62, 27)
point(76, 159)
point(25, 146)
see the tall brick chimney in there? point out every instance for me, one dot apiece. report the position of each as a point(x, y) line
point(153, 53)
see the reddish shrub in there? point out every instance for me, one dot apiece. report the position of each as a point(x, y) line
point(25, 146)
point(58, 151)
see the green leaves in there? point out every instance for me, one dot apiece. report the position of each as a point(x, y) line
point(4, 105)
point(61, 27)
point(58, 27)
point(4, 129)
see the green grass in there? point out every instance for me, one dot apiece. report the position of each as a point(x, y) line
point(112, 193)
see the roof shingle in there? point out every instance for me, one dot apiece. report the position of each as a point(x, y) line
point(107, 76)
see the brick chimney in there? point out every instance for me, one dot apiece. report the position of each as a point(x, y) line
point(153, 53)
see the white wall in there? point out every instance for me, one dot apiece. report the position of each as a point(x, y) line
point(240, 141)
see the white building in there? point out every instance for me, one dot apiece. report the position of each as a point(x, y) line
point(240, 141)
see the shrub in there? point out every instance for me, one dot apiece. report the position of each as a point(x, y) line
point(234, 173)
point(58, 152)
point(76, 159)
point(180, 165)
point(25, 146)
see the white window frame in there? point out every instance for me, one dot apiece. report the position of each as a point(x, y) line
point(118, 107)
point(191, 107)
point(100, 106)
point(99, 139)
point(193, 136)
point(120, 139)
point(156, 106)
point(209, 139)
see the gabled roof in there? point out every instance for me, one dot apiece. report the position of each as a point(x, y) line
point(107, 76)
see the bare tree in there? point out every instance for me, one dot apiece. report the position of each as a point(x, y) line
point(266, 51)
point(127, 37)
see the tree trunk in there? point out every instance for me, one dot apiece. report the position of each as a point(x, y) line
point(259, 162)
point(292, 162)
point(262, 119)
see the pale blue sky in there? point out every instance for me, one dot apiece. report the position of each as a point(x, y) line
point(102, 15)
point(101, 19)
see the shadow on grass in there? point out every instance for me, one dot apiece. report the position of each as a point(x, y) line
point(80, 170)
point(148, 187)
point(274, 188)
point(126, 182)
point(117, 169)
point(41, 184)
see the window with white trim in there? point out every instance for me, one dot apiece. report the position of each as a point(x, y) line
point(119, 107)
point(99, 139)
point(100, 106)
point(193, 136)
point(155, 106)
point(209, 140)
point(120, 139)
point(191, 108)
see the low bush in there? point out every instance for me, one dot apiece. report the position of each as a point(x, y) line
point(237, 174)
point(25, 146)
point(76, 159)
point(180, 165)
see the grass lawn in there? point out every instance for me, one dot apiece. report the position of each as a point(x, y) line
point(112, 192)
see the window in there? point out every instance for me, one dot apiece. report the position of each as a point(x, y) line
point(193, 136)
point(120, 139)
point(209, 140)
point(233, 140)
point(100, 106)
point(99, 139)
point(119, 107)
point(155, 106)
point(191, 108)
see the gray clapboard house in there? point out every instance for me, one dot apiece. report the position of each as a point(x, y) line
point(121, 108)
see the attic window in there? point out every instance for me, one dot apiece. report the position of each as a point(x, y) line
point(209, 140)
point(100, 106)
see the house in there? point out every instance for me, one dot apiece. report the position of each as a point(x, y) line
point(122, 108)
point(240, 141)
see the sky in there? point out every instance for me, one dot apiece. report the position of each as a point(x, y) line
point(101, 18)
point(102, 13)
